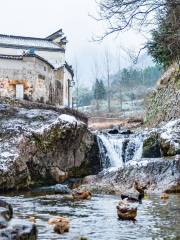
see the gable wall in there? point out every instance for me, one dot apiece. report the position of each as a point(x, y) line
point(56, 58)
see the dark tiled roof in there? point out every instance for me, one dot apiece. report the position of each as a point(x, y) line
point(28, 42)
point(69, 68)
point(13, 57)
point(55, 34)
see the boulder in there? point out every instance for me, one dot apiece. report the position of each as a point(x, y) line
point(56, 189)
point(58, 175)
point(6, 210)
point(169, 138)
point(42, 147)
point(151, 147)
point(113, 131)
point(19, 230)
point(167, 148)
point(160, 175)
point(14, 229)
point(125, 131)
point(120, 131)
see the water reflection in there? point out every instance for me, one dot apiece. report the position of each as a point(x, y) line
point(97, 218)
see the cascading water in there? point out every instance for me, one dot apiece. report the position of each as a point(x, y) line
point(117, 150)
point(110, 151)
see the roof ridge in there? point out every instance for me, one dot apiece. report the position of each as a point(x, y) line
point(11, 55)
point(24, 37)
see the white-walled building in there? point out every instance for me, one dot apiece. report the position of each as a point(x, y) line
point(35, 69)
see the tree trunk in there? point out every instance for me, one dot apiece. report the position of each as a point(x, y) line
point(97, 104)
point(109, 91)
point(120, 98)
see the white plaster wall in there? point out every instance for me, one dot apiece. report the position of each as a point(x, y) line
point(29, 70)
point(57, 59)
point(67, 76)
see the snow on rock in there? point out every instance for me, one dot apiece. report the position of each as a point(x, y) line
point(164, 140)
point(25, 122)
point(41, 145)
point(67, 118)
point(170, 133)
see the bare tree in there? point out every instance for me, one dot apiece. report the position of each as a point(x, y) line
point(95, 68)
point(120, 82)
point(107, 73)
point(96, 72)
point(125, 14)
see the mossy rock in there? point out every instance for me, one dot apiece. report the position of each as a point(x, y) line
point(80, 171)
point(177, 82)
point(167, 148)
point(151, 147)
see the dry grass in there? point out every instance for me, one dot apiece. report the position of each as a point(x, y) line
point(104, 123)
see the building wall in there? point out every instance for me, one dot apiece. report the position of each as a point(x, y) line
point(67, 91)
point(38, 78)
point(56, 58)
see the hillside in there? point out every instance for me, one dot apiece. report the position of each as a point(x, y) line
point(163, 104)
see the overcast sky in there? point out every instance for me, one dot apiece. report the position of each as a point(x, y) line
point(39, 18)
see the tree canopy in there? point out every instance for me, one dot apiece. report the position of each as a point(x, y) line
point(99, 90)
point(165, 44)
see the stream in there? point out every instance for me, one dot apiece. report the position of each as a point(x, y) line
point(97, 218)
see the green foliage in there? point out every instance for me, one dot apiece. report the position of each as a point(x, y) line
point(131, 77)
point(165, 44)
point(125, 84)
point(99, 90)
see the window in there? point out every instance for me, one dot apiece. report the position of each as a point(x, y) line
point(40, 76)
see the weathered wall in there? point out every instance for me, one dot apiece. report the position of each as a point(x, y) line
point(37, 77)
point(163, 104)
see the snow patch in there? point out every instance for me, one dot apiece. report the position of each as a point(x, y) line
point(172, 124)
point(68, 118)
point(142, 163)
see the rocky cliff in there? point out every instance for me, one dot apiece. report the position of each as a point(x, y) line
point(163, 104)
point(42, 146)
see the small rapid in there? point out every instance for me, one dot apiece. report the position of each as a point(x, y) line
point(118, 149)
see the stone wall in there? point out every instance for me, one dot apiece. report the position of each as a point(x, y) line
point(163, 104)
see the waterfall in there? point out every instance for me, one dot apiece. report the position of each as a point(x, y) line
point(117, 150)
